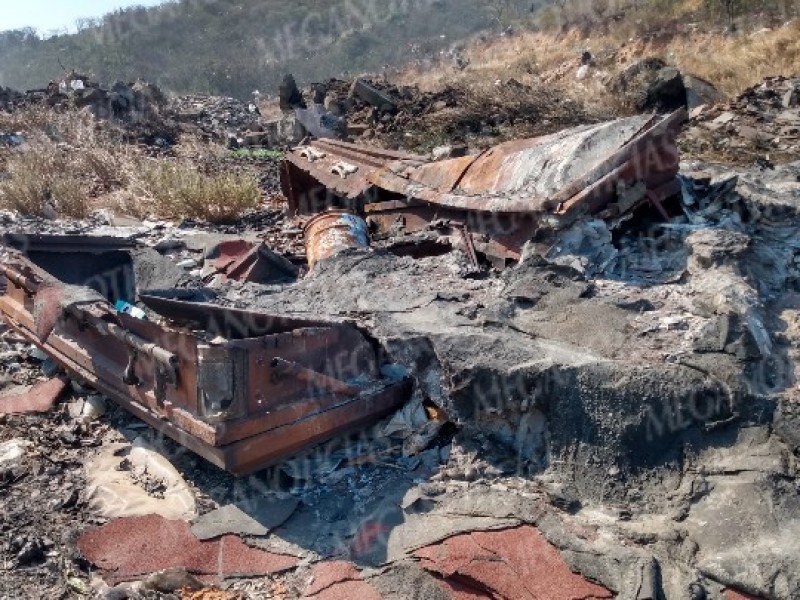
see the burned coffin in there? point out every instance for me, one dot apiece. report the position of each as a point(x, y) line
point(501, 196)
point(243, 389)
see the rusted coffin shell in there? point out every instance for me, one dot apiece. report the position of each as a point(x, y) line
point(332, 232)
point(241, 388)
point(536, 175)
point(504, 194)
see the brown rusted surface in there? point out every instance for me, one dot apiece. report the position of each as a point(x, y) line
point(731, 594)
point(331, 232)
point(40, 398)
point(514, 563)
point(267, 387)
point(339, 580)
point(292, 370)
point(309, 183)
point(232, 256)
point(241, 260)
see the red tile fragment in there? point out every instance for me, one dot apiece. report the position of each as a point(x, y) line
point(339, 580)
point(40, 398)
point(514, 563)
point(731, 594)
point(131, 547)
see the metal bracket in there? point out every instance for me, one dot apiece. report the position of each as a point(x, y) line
point(129, 375)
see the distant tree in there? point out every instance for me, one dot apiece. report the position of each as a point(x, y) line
point(505, 12)
point(83, 24)
point(24, 35)
point(730, 7)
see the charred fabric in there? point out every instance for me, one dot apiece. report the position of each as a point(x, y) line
point(247, 388)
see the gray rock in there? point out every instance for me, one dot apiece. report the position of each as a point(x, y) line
point(666, 92)
point(257, 517)
point(700, 92)
point(290, 96)
point(791, 98)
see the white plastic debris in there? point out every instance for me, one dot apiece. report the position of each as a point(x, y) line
point(13, 450)
point(311, 154)
point(135, 480)
point(188, 263)
point(343, 169)
point(90, 409)
point(441, 152)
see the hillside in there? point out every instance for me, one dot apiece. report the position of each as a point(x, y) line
point(232, 47)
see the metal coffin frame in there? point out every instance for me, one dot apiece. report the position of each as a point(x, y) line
point(272, 388)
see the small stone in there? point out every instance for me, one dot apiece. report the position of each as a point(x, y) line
point(697, 111)
point(188, 264)
point(749, 133)
point(791, 98)
point(94, 407)
point(442, 152)
point(167, 243)
point(721, 121)
point(13, 450)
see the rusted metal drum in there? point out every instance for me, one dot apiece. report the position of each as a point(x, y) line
point(331, 232)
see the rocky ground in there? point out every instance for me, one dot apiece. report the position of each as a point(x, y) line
point(760, 126)
point(616, 416)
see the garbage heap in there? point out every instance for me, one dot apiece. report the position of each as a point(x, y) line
point(225, 120)
point(761, 126)
point(10, 99)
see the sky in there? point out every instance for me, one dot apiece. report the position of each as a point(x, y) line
point(49, 15)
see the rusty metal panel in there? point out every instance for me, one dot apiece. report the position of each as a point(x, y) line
point(241, 260)
point(442, 176)
point(311, 182)
point(339, 352)
point(536, 176)
point(271, 446)
point(216, 320)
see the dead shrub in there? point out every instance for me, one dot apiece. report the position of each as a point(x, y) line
point(69, 159)
point(41, 183)
point(177, 190)
point(28, 118)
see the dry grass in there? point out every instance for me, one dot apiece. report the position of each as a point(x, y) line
point(734, 63)
point(66, 161)
point(731, 62)
point(176, 189)
point(41, 184)
point(71, 164)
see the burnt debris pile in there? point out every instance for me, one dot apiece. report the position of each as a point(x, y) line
point(560, 367)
